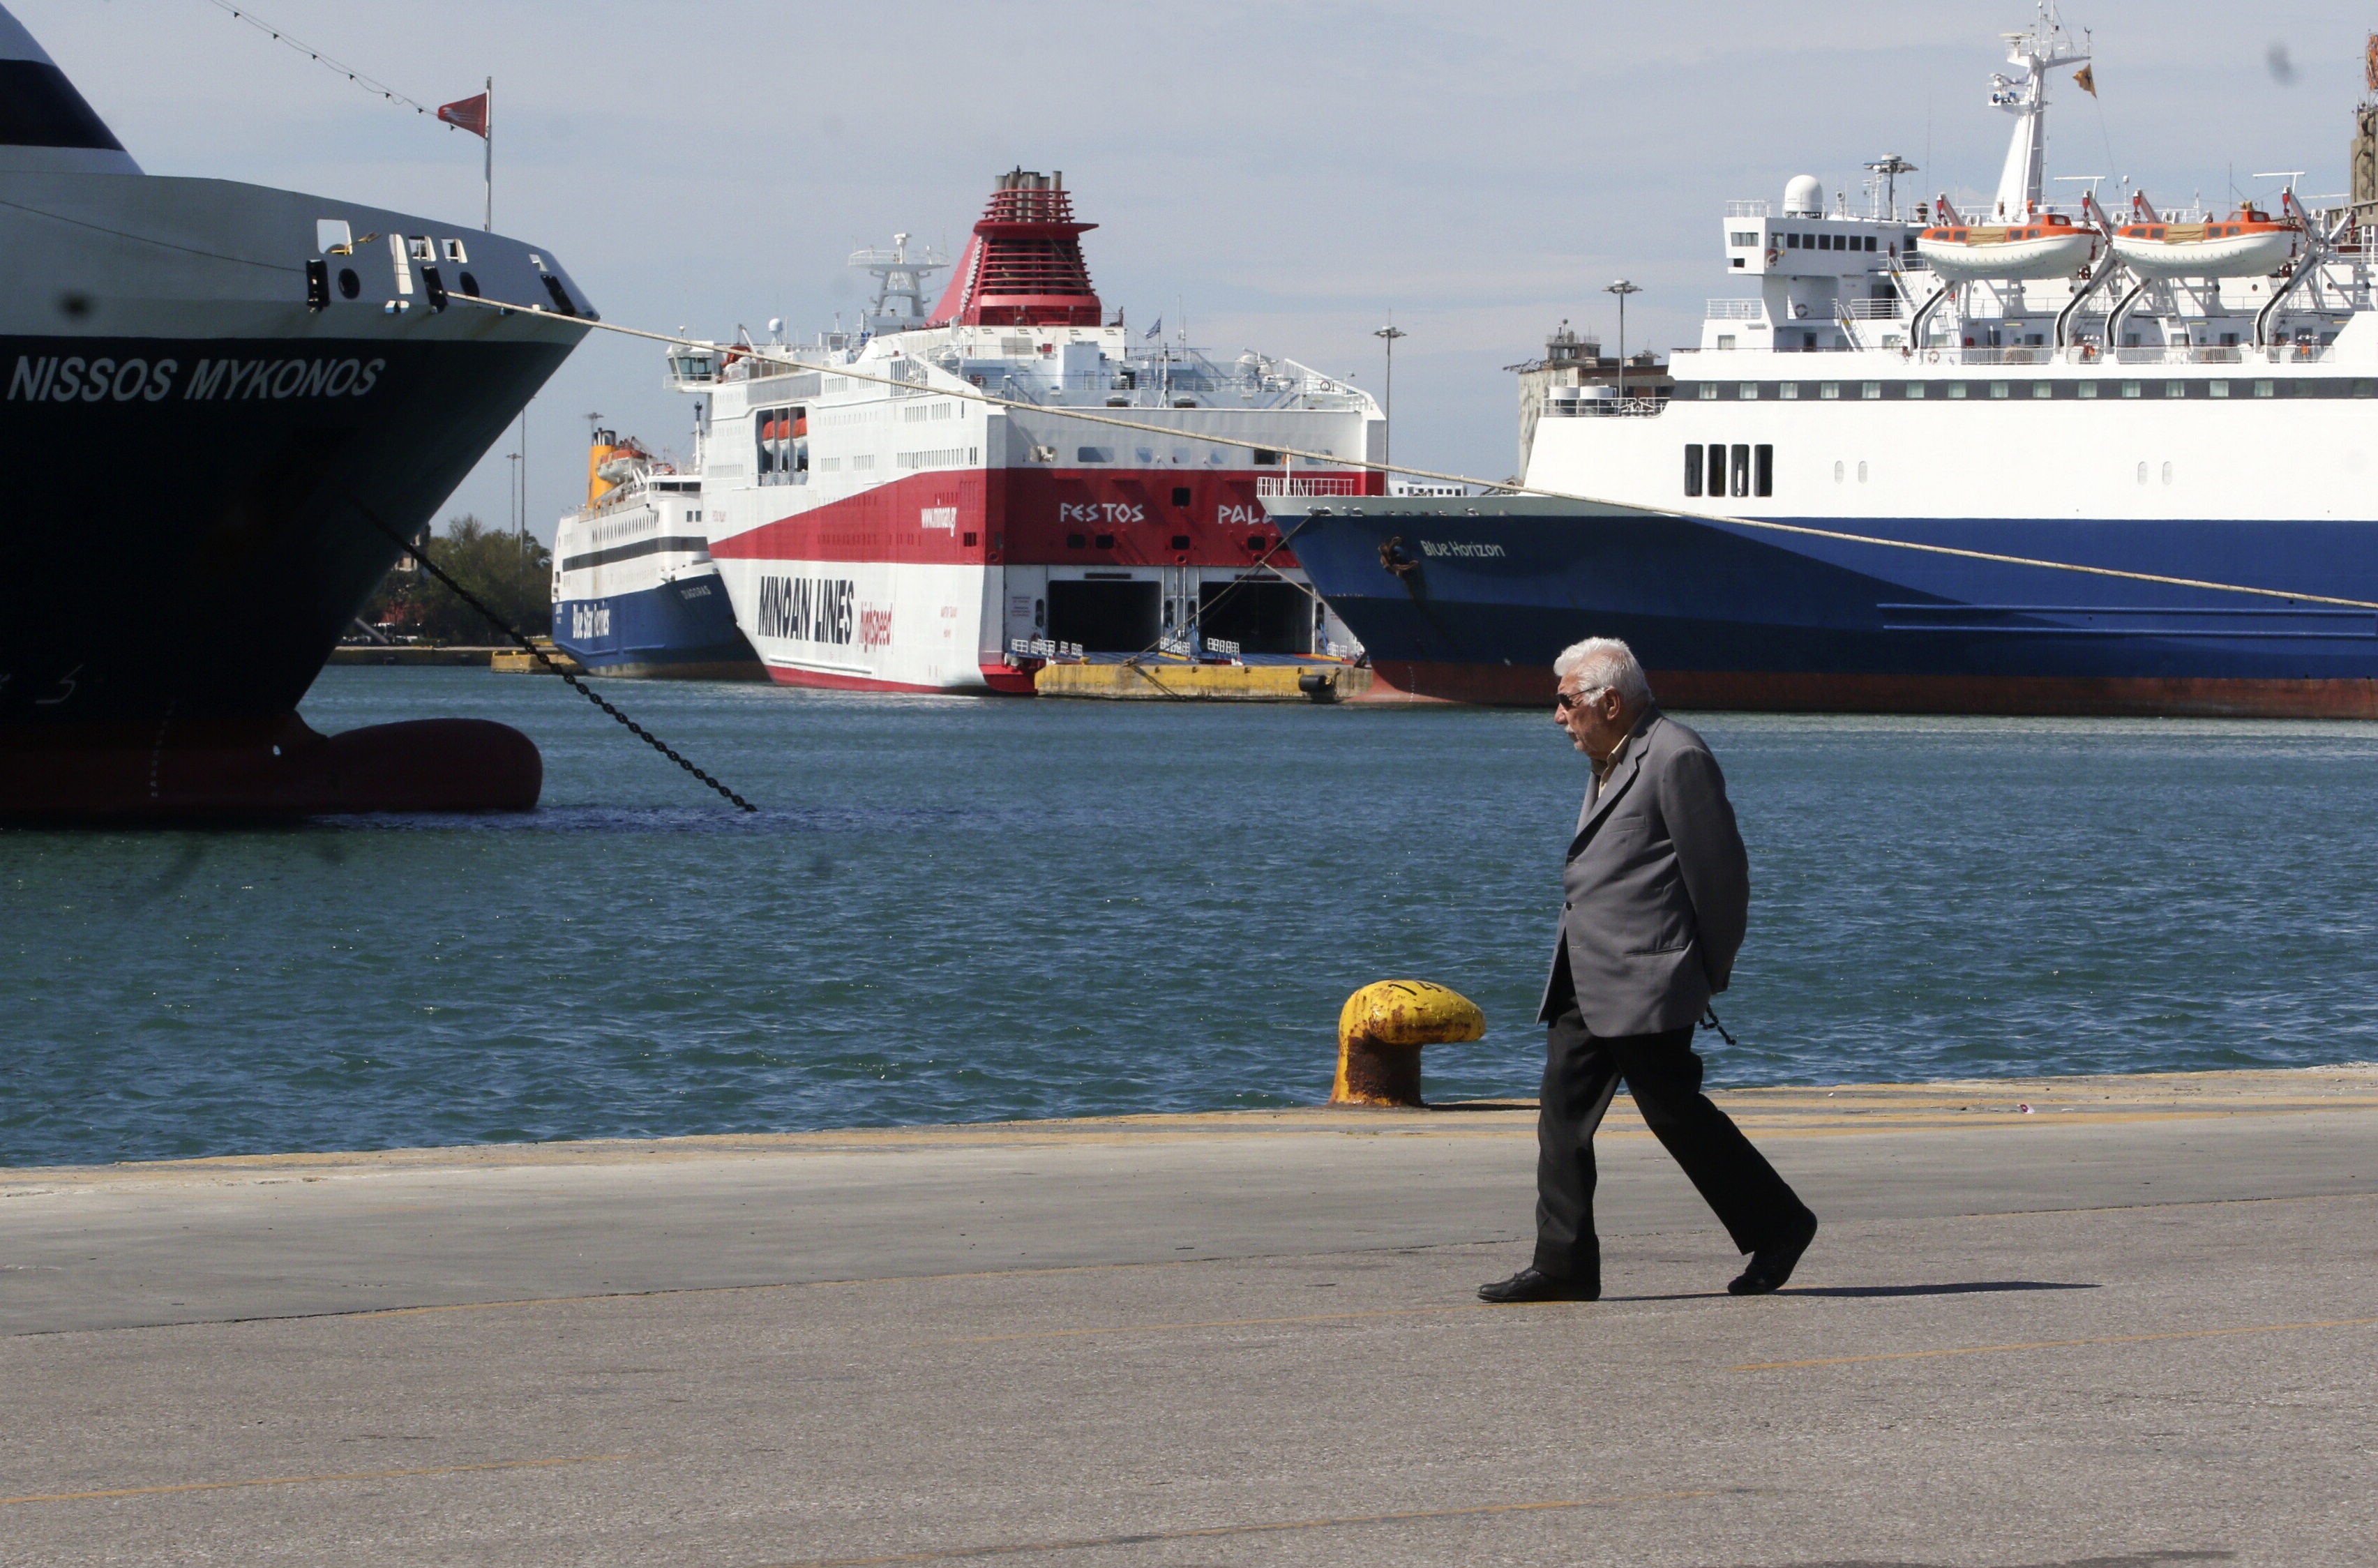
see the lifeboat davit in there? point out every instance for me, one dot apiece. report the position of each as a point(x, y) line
point(2248, 243)
point(2046, 245)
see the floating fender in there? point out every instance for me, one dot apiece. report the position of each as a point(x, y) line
point(1381, 1030)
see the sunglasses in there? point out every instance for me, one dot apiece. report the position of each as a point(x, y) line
point(1565, 701)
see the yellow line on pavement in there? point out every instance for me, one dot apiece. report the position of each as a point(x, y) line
point(300, 1480)
point(2053, 1343)
point(1083, 1543)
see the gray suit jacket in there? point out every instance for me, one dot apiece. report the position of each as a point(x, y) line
point(1656, 894)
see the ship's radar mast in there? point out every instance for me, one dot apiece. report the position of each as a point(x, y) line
point(2043, 49)
point(899, 284)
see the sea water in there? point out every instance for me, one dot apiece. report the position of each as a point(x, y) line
point(955, 909)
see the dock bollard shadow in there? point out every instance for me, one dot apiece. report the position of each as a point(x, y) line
point(1381, 1030)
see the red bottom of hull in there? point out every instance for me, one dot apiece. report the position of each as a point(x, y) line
point(1757, 692)
point(1000, 680)
point(229, 770)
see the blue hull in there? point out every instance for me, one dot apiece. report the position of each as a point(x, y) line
point(1728, 614)
point(680, 630)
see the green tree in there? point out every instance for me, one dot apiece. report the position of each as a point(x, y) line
point(510, 574)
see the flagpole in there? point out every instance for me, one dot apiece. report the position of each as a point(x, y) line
point(487, 138)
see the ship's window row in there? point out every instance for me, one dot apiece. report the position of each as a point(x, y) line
point(1794, 241)
point(1717, 469)
point(2081, 390)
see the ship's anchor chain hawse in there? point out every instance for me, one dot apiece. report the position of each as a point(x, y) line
point(1486, 487)
point(639, 730)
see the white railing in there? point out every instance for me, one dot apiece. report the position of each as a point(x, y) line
point(1870, 309)
point(1577, 408)
point(2175, 353)
point(1738, 309)
point(2183, 354)
point(1310, 485)
point(1746, 210)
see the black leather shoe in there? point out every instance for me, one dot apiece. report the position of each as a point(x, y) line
point(1534, 1284)
point(1773, 1263)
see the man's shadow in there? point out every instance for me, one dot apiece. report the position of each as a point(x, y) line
point(1965, 1287)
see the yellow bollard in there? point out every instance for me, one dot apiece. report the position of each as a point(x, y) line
point(1381, 1030)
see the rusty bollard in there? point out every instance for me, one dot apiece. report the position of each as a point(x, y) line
point(1381, 1030)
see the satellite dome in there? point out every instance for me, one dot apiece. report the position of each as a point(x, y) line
point(1804, 196)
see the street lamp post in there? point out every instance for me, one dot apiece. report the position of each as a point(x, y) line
point(1390, 333)
point(1622, 288)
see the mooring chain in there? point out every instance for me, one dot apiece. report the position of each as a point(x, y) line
point(434, 569)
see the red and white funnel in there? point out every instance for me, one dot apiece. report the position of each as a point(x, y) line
point(1024, 266)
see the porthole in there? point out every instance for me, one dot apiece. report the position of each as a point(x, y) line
point(2142, 474)
point(1837, 471)
point(349, 284)
point(1861, 471)
point(2167, 474)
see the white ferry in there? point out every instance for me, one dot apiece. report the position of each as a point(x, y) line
point(1889, 450)
point(634, 590)
point(878, 529)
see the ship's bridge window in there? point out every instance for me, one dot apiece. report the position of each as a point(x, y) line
point(1791, 242)
point(455, 253)
point(1094, 454)
point(1743, 237)
point(782, 436)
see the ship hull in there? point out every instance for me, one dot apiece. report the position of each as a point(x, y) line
point(929, 583)
point(1728, 615)
point(225, 601)
point(682, 629)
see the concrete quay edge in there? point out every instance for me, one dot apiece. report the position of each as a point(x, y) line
point(1802, 1111)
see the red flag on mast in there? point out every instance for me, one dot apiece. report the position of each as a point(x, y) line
point(471, 113)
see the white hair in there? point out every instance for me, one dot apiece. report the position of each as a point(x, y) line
point(1605, 661)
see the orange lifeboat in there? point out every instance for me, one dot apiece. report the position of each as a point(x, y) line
point(2045, 244)
point(2250, 243)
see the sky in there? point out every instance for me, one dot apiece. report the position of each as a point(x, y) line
point(1285, 175)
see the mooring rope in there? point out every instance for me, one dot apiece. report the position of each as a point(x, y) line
point(1489, 486)
point(539, 654)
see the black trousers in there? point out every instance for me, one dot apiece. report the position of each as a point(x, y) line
point(1663, 1073)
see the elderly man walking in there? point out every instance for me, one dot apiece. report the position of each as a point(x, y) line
point(1655, 899)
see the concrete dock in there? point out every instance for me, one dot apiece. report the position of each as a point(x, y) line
point(2135, 1324)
